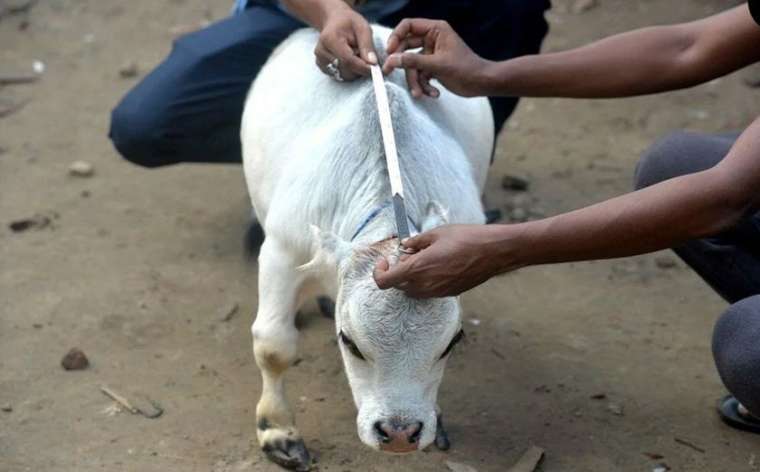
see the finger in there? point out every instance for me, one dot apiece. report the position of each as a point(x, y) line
point(381, 267)
point(349, 60)
point(382, 264)
point(408, 27)
point(421, 241)
point(410, 60)
point(365, 43)
point(323, 57)
point(413, 80)
point(429, 90)
point(412, 42)
point(392, 277)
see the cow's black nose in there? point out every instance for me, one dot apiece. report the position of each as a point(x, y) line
point(396, 436)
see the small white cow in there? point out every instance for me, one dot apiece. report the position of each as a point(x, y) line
point(316, 173)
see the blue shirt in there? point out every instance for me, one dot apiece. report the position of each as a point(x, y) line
point(372, 10)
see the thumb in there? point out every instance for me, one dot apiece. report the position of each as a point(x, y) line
point(365, 43)
point(420, 242)
point(385, 277)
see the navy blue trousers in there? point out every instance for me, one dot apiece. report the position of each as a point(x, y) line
point(728, 262)
point(188, 109)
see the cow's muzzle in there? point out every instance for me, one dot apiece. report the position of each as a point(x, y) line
point(397, 436)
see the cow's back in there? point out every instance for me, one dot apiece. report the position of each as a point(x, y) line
point(310, 143)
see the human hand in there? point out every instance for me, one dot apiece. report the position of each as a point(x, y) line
point(345, 49)
point(444, 56)
point(449, 260)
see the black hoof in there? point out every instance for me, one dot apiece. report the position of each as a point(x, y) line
point(288, 453)
point(326, 307)
point(441, 436)
point(254, 238)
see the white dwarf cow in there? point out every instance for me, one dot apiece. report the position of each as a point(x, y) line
point(316, 173)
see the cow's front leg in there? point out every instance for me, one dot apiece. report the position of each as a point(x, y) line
point(275, 346)
point(441, 442)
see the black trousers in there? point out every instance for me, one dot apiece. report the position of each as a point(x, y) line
point(188, 109)
point(729, 262)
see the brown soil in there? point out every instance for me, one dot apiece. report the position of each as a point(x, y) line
point(136, 267)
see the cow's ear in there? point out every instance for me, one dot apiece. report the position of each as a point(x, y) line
point(435, 216)
point(329, 250)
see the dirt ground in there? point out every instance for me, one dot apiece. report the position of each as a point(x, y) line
point(137, 267)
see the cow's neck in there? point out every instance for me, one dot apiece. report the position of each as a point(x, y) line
point(379, 224)
point(371, 218)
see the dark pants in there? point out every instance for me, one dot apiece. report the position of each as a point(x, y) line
point(189, 108)
point(729, 262)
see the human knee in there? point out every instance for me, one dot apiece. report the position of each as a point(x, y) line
point(663, 160)
point(136, 135)
point(737, 351)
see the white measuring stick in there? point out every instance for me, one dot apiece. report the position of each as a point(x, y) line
point(386, 126)
point(391, 156)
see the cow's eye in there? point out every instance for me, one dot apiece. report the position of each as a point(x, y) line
point(458, 337)
point(350, 345)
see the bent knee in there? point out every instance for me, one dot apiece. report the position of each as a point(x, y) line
point(663, 160)
point(136, 136)
point(737, 351)
point(275, 347)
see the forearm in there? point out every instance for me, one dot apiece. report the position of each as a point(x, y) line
point(634, 63)
point(658, 217)
point(639, 62)
point(314, 12)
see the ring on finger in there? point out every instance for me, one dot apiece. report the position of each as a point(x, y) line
point(333, 68)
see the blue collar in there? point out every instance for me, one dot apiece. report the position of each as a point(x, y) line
point(373, 214)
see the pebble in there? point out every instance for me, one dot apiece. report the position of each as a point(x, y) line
point(129, 70)
point(513, 182)
point(458, 467)
point(6, 408)
point(75, 359)
point(81, 169)
point(661, 468)
point(518, 215)
point(147, 407)
point(582, 6)
point(38, 67)
point(665, 262)
point(35, 222)
point(615, 409)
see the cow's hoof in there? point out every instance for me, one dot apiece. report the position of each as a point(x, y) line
point(441, 442)
point(289, 453)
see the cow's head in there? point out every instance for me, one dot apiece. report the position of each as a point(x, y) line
point(394, 347)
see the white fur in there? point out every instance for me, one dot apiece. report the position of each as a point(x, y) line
point(313, 156)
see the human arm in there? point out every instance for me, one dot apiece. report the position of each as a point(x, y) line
point(344, 35)
point(452, 259)
point(642, 61)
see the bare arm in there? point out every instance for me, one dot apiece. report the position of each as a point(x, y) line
point(452, 259)
point(657, 217)
point(313, 12)
point(639, 62)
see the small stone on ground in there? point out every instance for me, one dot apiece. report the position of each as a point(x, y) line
point(75, 359)
point(81, 169)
